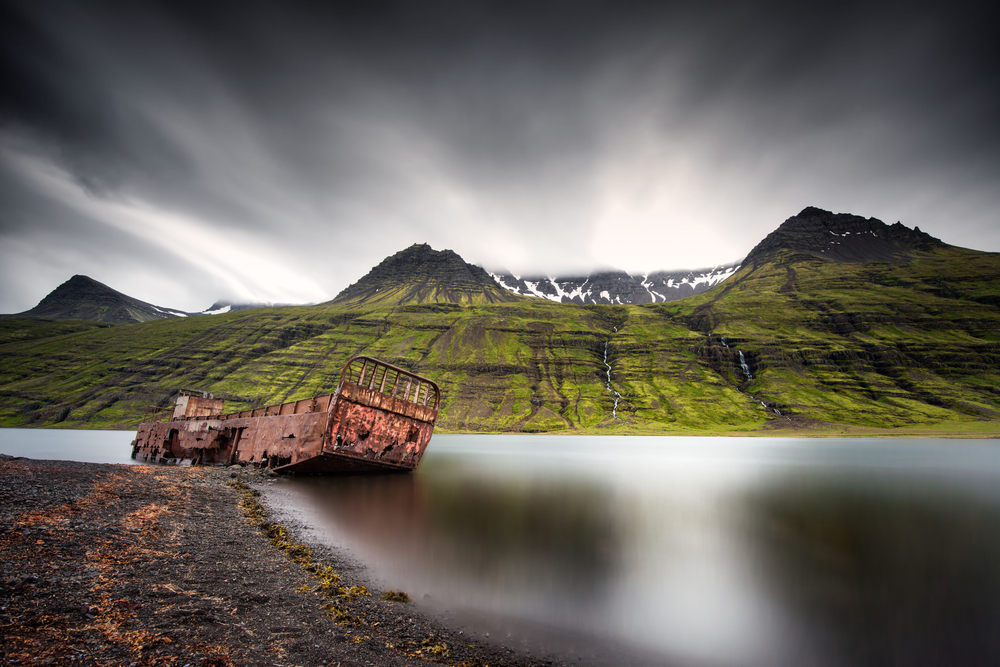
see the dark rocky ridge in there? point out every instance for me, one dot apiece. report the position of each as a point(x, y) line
point(843, 237)
point(83, 298)
point(419, 274)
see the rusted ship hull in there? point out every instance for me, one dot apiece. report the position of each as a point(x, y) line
point(380, 419)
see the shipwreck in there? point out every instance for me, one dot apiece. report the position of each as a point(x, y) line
point(380, 419)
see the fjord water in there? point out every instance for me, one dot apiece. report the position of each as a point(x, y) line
point(684, 551)
point(68, 445)
point(707, 551)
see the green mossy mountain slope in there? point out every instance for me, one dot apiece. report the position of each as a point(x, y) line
point(912, 343)
point(881, 345)
point(420, 274)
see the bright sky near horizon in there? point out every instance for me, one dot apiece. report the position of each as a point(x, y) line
point(187, 152)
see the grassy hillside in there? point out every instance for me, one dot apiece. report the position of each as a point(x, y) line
point(881, 345)
point(912, 345)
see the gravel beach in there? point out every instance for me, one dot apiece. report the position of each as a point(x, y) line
point(146, 565)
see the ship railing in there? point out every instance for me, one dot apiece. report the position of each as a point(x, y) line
point(306, 405)
point(390, 380)
point(365, 372)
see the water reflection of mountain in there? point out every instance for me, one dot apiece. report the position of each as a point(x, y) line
point(729, 552)
point(885, 574)
point(551, 540)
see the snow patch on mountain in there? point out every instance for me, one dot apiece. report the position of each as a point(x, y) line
point(170, 312)
point(617, 287)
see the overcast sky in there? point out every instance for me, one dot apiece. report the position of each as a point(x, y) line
point(273, 151)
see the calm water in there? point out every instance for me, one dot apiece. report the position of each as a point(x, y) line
point(68, 445)
point(687, 551)
point(714, 551)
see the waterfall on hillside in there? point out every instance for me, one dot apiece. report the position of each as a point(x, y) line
point(746, 373)
point(749, 377)
point(614, 410)
point(743, 365)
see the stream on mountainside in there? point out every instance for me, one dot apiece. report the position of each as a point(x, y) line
point(749, 378)
point(617, 396)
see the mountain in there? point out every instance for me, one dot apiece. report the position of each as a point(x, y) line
point(844, 237)
point(858, 321)
point(618, 287)
point(837, 236)
point(800, 340)
point(419, 275)
point(83, 298)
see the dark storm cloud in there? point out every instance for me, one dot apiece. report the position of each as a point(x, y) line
point(277, 151)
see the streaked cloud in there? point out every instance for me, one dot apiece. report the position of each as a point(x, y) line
point(256, 151)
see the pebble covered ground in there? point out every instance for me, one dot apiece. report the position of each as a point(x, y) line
point(146, 565)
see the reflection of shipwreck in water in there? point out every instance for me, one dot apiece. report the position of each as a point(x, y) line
point(380, 419)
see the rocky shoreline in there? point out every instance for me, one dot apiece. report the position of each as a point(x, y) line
point(144, 565)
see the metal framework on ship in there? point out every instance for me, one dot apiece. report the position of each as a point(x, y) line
point(375, 375)
point(366, 372)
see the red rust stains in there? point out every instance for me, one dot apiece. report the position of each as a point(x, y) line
point(380, 419)
point(189, 405)
point(378, 435)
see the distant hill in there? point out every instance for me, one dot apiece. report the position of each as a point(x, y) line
point(422, 275)
point(220, 307)
point(618, 287)
point(83, 298)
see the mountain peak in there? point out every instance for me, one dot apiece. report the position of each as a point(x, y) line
point(843, 237)
point(80, 279)
point(83, 298)
point(420, 274)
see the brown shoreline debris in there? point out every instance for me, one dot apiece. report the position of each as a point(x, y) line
point(138, 565)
